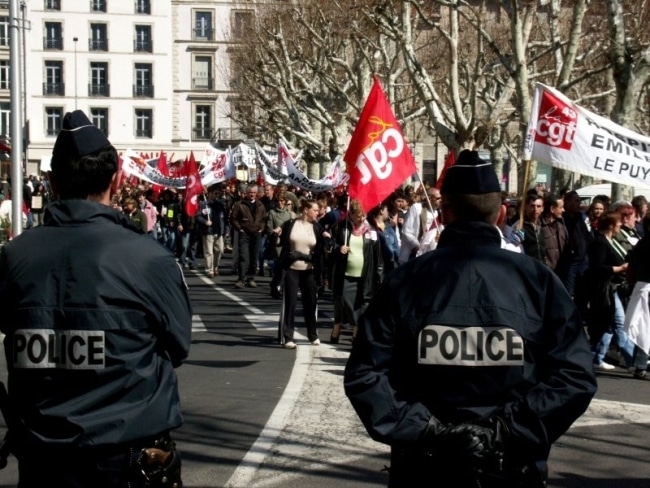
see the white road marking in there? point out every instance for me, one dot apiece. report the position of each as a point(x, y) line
point(268, 462)
point(197, 324)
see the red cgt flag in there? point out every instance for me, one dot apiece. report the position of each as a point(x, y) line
point(378, 158)
point(449, 162)
point(193, 187)
point(164, 170)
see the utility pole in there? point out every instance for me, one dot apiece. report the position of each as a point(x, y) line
point(25, 26)
point(16, 125)
point(75, 39)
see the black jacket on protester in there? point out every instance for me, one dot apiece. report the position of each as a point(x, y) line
point(96, 317)
point(412, 360)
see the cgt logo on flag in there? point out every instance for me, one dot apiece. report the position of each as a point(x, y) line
point(557, 122)
point(386, 144)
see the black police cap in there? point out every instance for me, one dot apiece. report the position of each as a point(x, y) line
point(471, 175)
point(78, 138)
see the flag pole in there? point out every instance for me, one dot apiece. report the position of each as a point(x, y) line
point(347, 218)
point(435, 222)
point(522, 204)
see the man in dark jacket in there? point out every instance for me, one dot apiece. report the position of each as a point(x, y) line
point(248, 218)
point(90, 356)
point(466, 380)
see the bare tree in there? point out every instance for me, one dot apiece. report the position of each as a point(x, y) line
point(307, 69)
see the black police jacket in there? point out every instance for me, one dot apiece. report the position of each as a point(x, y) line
point(465, 332)
point(96, 316)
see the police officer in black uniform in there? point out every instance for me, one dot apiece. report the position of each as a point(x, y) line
point(96, 317)
point(470, 360)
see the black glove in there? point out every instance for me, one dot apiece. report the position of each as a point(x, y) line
point(469, 441)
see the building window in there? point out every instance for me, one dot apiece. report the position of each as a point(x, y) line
point(142, 7)
point(242, 23)
point(4, 75)
point(202, 73)
point(203, 29)
point(4, 31)
point(99, 118)
point(143, 86)
point(5, 119)
point(52, 5)
point(203, 129)
point(53, 38)
point(143, 41)
point(98, 38)
point(98, 5)
point(143, 123)
point(53, 118)
point(99, 86)
point(53, 78)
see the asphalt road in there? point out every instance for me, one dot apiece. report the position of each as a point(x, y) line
point(258, 416)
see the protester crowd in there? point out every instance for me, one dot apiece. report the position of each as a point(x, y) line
point(589, 249)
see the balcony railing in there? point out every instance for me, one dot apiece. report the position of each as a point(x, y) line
point(98, 44)
point(203, 133)
point(53, 43)
point(203, 34)
point(53, 88)
point(145, 46)
point(202, 83)
point(143, 91)
point(99, 90)
point(143, 133)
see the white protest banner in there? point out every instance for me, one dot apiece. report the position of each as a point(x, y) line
point(219, 167)
point(268, 164)
point(298, 178)
point(216, 166)
point(244, 154)
point(567, 136)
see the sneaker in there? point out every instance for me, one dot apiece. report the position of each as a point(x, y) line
point(239, 284)
point(316, 342)
point(603, 366)
point(289, 345)
point(210, 274)
point(251, 283)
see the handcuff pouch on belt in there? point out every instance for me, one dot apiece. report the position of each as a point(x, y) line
point(160, 465)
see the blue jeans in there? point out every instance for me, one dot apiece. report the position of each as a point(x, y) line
point(169, 238)
point(187, 249)
point(625, 345)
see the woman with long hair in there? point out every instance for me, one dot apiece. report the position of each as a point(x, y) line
point(606, 275)
point(596, 209)
point(301, 256)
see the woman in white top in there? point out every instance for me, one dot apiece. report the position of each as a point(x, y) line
point(301, 257)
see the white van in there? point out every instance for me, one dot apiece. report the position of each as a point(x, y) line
point(587, 193)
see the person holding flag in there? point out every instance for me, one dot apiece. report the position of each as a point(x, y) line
point(187, 229)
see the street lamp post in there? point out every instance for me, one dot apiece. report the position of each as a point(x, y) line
point(75, 39)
